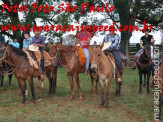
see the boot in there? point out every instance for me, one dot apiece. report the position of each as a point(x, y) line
point(133, 66)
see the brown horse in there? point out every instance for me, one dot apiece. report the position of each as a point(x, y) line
point(67, 58)
point(102, 65)
point(23, 70)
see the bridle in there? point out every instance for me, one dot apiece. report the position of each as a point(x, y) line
point(68, 67)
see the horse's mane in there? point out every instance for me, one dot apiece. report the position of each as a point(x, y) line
point(18, 51)
point(65, 48)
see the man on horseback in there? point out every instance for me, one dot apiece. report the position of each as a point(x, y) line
point(114, 38)
point(27, 41)
point(39, 41)
point(147, 38)
point(84, 40)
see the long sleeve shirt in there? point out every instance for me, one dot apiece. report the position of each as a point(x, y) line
point(114, 39)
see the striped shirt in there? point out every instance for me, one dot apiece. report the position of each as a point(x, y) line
point(114, 39)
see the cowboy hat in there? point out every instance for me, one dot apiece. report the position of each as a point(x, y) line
point(33, 48)
point(106, 45)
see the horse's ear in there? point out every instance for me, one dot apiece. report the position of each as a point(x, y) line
point(101, 46)
point(94, 44)
point(50, 44)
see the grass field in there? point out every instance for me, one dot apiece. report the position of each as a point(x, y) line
point(130, 107)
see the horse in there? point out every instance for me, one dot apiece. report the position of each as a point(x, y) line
point(102, 65)
point(23, 70)
point(67, 57)
point(144, 64)
point(5, 68)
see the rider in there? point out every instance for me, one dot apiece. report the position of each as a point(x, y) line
point(27, 41)
point(115, 39)
point(143, 41)
point(39, 41)
point(2, 39)
point(15, 43)
point(84, 40)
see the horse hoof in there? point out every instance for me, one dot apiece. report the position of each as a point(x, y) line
point(107, 106)
point(22, 104)
point(71, 97)
point(33, 102)
point(148, 93)
point(81, 98)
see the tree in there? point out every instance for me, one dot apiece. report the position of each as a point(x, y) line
point(128, 12)
point(31, 18)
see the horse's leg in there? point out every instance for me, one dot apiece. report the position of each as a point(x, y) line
point(96, 90)
point(22, 82)
point(39, 84)
point(78, 85)
point(10, 78)
point(117, 89)
point(148, 76)
point(50, 82)
point(91, 89)
point(2, 79)
point(70, 77)
point(20, 88)
point(107, 92)
point(32, 89)
point(54, 80)
point(140, 81)
point(144, 80)
point(102, 92)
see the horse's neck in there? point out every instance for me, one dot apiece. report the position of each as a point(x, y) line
point(143, 57)
point(104, 63)
point(13, 58)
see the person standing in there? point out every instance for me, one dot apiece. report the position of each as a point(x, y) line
point(16, 44)
point(39, 41)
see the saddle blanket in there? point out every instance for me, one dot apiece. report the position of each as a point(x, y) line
point(36, 62)
point(81, 55)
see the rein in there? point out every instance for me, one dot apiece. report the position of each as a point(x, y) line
point(70, 65)
point(142, 64)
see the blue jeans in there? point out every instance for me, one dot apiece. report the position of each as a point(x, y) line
point(86, 51)
point(118, 60)
point(135, 58)
point(42, 61)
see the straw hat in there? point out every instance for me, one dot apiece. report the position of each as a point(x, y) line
point(106, 45)
point(33, 48)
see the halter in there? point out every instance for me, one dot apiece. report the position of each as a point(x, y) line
point(70, 65)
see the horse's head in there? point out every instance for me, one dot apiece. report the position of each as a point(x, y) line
point(3, 48)
point(53, 54)
point(149, 51)
point(96, 56)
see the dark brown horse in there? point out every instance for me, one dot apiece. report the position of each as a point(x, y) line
point(67, 58)
point(23, 70)
point(144, 63)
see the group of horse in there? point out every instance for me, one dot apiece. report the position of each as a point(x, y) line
point(102, 69)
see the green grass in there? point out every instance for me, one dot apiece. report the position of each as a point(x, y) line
point(130, 107)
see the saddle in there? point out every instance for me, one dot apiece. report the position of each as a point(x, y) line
point(81, 55)
point(35, 58)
